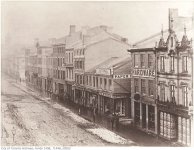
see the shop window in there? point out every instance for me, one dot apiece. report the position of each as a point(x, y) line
point(184, 131)
point(168, 127)
point(120, 107)
point(185, 96)
point(137, 114)
point(142, 59)
point(151, 87)
point(151, 118)
point(143, 86)
point(136, 84)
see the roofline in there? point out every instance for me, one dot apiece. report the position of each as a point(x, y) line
point(141, 49)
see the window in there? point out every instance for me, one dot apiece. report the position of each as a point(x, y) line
point(94, 82)
point(162, 92)
point(172, 93)
point(87, 80)
point(185, 96)
point(172, 63)
point(150, 60)
point(136, 85)
point(151, 87)
point(185, 63)
point(142, 59)
point(162, 63)
point(100, 82)
point(90, 80)
point(105, 83)
point(72, 58)
point(97, 82)
point(110, 84)
point(135, 60)
point(69, 58)
point(81, 81)
point(171, 41)
point(143, 86)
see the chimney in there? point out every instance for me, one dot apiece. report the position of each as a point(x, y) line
point(125, 40)
point(104, 27)
point(72, 29)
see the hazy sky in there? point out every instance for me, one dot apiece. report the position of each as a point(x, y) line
point(22, 22)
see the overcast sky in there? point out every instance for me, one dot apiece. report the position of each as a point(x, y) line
point(22, 22)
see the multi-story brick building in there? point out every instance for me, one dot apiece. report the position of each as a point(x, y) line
point(170, 81)
point(174, 87)
point(59, 70)
point(143, 85)
point(88, 52)
point(107, 87)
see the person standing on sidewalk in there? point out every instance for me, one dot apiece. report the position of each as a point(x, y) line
point(94, 114)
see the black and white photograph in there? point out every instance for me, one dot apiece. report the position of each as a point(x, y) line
point(97, 73)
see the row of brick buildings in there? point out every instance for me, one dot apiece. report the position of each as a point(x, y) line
point(99, 71)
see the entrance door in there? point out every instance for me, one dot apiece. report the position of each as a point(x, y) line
point(137, 113)
point(144, 116)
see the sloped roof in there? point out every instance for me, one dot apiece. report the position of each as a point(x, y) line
point(88, 36)
point(111, 62)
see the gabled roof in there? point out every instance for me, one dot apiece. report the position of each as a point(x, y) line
point(113, 62)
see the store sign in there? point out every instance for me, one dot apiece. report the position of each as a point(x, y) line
point(123, 76)
point(105, 94)
point(144, 72)
point(103, 71)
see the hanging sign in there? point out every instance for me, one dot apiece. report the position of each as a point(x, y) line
point(123, 76)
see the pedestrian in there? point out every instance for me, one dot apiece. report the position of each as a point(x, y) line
point(79, 111)
point(112, 121)
point(117, 121)
point(94, 114)
point(13, 133)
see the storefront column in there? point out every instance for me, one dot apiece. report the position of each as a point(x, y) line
point(156, 120)
point(74, 98)
point(132, 110)
point(146, 116)
point(140, 114)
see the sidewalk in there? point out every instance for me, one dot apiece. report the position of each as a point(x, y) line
point(86, 125)
point(127, 132)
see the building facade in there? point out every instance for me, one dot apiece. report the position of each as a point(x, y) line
point(143, 93)
point(174, 86)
